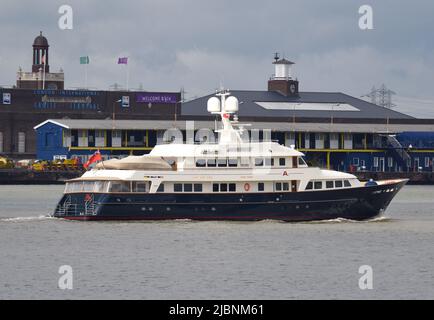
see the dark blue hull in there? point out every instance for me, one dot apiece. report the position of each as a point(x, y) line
point(353, 203)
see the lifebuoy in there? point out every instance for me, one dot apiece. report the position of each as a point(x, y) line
point(246, 187)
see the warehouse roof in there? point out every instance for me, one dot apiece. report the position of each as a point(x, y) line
point(271, 104)
point(108, 124)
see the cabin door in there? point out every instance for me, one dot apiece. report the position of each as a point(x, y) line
point(294, 162)
point(293, 186)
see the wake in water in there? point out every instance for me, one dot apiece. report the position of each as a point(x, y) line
point(26, 219)
point(341, 220)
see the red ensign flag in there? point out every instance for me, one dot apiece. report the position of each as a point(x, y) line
point(93, 158)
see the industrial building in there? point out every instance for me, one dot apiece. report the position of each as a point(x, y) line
point(333, 129)
point(40, 95)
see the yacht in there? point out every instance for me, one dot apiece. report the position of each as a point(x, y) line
point(231, 179)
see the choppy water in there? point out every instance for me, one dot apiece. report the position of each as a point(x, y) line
point(214, 260)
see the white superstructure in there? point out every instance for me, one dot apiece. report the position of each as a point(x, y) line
point(231, 165)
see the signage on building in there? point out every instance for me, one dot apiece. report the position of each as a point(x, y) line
point(6, 98)
point(148, 97)
point(75, 99)
point(125, 102)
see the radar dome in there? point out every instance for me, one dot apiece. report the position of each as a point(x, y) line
point(231, 104)
point(213, 104)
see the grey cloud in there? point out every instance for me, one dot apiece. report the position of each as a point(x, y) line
point(198, 43)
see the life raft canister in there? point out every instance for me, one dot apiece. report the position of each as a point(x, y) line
point(246, 187)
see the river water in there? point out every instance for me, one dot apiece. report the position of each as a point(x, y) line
point(214, 260)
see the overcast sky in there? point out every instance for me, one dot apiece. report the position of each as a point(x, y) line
point(198, 44)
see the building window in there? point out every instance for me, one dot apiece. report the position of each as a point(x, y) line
point(66, 138)
point(21, 142)
point(261, 186)
point(116, 138)
point(375, 162)
point(390, 162)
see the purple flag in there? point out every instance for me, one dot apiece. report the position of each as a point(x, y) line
point(123, 60)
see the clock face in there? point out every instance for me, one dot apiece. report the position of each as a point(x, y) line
point(292, 88)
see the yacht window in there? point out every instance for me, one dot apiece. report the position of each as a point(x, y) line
point(78, 186)
point(269, 162)
point(98, 186)
point(188, 187)
point(233, 162)
point(309, 186)
point(139, 186)
point(261, 186)
point(278, 186)
point(329, 184)
point(222, 162)
point(259, 162)
point(223, 187)
point(244, 162)
point(177, 187)
point(232, 187)
point(197, 187)
point(118, 186)
point(160, 187)
point(338, 184)
point(285, 186)
point(301, 161)
point(88, 186)
point(200, 163)
point(317, 185)
point(211, 163)
point(70, 186)
point(281, 162)
point(347, 183)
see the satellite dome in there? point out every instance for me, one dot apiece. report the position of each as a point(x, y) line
point(231, 104)
point(213, 104)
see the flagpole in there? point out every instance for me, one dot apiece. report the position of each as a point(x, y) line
point(43, 76)
point(128, 74)
point(85, 76)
